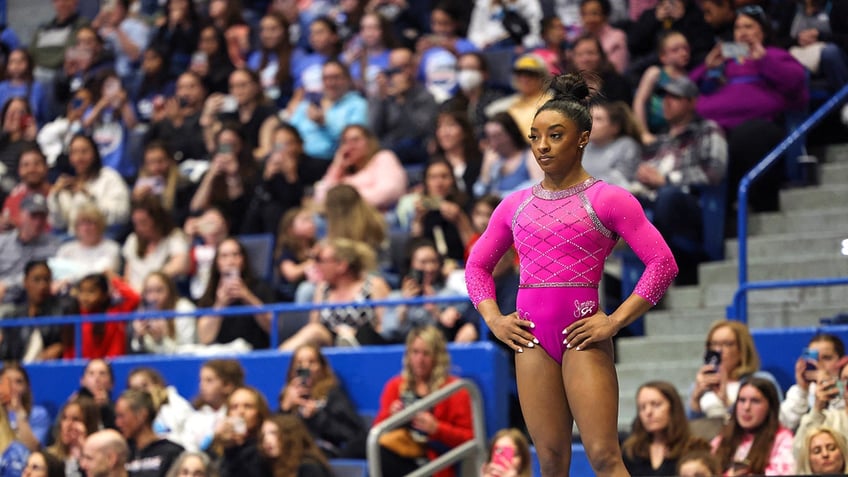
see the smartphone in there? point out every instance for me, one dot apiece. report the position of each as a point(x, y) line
point(314, 97)
point(811, 356)
point(199, 58)
point(431, 203)
point(239, 426)
point(417, 276)
point(732, 49)
point(225, 148)
point(713, 357)
point(111, 87)
point(182, 101)
point(156, 184)
point(503, 456)
point(303, 373)
point(229, 104)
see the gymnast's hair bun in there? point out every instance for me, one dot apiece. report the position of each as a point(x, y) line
point(571, 87)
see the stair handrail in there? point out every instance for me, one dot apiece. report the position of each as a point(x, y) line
point(738, 309)
point(474, 448)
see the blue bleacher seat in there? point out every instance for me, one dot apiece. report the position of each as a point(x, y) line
point(349, 467)
point(260, 254)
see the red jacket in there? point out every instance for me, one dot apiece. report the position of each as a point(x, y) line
point(453, 416)
point(113, 342)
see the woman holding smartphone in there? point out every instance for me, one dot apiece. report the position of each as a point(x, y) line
point(509, 455)
point(716, 387)
point(236, 438)
point(314, 393)
point(232, 283)
point(828, 408)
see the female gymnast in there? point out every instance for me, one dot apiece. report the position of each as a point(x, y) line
point(563, 229)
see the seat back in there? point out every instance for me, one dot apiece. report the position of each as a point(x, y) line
point(260, 254)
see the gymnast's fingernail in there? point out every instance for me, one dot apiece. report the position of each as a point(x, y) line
point(532, 325)
point(529, 344)
point(520, 350)
point(568, 346)
point(565, 342)
point(565, 331)
point(536, 340)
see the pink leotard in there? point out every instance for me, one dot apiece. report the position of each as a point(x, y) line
point(563, 239)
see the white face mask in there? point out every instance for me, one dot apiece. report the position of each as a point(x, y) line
point(469, 79)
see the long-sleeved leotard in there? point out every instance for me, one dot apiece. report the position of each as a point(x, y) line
point(563, 239)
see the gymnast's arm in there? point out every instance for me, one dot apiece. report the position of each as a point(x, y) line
point(625, 216)
point(491, 246)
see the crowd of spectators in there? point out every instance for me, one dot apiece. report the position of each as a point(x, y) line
point(372, 140)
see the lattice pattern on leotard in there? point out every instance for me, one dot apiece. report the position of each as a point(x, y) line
point(565, 236)
point(560, 239)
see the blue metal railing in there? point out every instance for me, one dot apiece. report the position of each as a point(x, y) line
point(275, 309)
point(738, 309)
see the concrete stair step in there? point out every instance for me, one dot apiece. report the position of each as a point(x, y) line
point(834, 173)
point(660, 349)
point(830, 219)
point(717, 296)
point(836, 153)
point(821, 197)
point(778, 268)
point(772, 315)
point(679, 373)
point(775, 245)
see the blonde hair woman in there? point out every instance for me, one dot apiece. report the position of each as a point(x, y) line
point(426, 368)
point(715, 390)
point(343, 266)
point(824, 452)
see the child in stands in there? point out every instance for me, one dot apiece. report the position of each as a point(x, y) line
point(95, 296)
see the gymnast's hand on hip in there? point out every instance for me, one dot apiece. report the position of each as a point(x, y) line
point(593, 329)
point(513, 330)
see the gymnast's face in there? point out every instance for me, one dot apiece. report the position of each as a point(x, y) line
point(557, 143)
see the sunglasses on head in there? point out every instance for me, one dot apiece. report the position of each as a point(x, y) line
point(755, 11)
